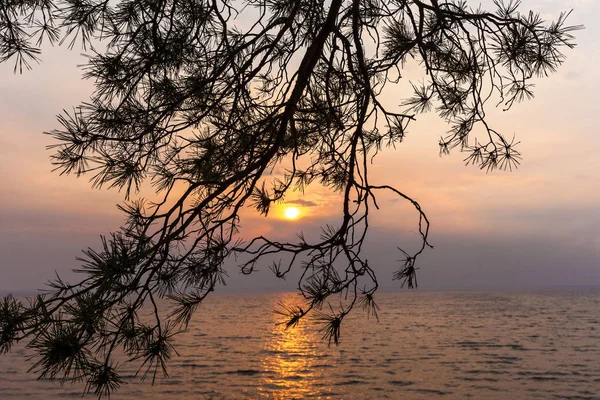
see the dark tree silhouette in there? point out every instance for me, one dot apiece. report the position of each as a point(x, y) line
point(193, 98)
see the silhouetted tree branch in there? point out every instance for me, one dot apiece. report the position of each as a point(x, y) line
point(201, 104)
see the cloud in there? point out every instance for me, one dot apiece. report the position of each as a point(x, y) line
point(303, 203)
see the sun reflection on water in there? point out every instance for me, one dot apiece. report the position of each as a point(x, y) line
point(291, 360)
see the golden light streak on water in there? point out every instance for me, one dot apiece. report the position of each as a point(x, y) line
point(289, 360)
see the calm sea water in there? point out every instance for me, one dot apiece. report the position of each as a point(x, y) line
point(426, 346)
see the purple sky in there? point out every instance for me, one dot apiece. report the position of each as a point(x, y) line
point(538, 226)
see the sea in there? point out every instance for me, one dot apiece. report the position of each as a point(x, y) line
point(426, 345)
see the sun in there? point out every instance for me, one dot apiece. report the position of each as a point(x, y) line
point(291, 213)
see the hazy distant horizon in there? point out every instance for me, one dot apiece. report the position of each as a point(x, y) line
point(270, 290)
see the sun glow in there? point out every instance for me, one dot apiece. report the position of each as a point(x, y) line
point(291, 213)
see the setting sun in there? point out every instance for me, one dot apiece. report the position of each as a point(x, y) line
point(291, 212)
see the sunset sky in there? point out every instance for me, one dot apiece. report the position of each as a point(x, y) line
point(536, 227)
